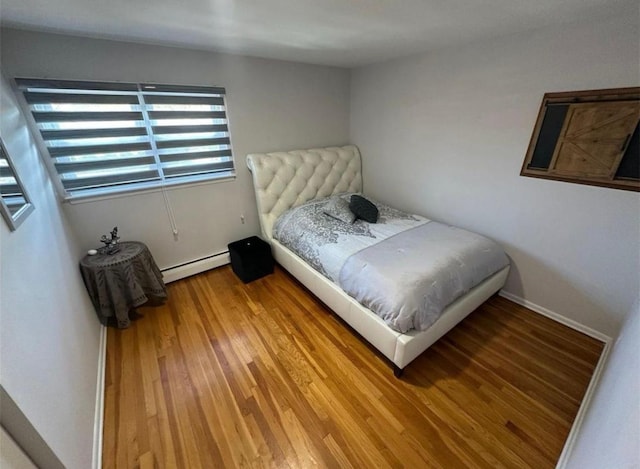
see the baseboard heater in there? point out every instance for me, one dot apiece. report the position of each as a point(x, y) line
point(187, 269)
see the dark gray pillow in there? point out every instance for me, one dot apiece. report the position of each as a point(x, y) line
point(338, 208)
point(364, 209)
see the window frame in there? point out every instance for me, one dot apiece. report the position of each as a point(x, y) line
point(134, 187)
point(15, 219)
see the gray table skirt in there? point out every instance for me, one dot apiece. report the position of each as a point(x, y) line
point(119, 282)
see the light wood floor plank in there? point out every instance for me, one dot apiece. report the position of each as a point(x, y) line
point(264, 375)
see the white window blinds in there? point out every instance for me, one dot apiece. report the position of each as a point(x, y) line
point(103, 137)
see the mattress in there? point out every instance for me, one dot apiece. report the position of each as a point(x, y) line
point(405, 268)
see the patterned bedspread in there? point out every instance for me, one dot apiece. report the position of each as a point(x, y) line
point(405, 268)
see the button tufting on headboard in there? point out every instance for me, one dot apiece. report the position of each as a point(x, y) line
point(283, 180)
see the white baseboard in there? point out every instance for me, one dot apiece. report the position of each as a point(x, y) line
point(584, 407)
point(595, 378)
point(557, 317)
point(98, 420)
point(172, 274)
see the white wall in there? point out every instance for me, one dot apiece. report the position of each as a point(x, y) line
point(49, 333)
point(273, 105)
point(444, 134)
point(610, 432)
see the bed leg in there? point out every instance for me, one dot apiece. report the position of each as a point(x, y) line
point(397, 371)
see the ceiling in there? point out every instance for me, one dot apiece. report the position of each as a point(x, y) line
point(343, 33)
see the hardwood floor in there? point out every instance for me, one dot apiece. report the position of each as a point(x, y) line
point(263, 375)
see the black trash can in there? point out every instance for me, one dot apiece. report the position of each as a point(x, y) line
point(251, 258)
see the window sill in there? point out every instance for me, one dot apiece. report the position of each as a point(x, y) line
point(116, 193)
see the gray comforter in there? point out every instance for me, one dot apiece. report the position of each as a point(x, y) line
point(404, 268)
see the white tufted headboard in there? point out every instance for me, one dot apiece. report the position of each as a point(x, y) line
point(283, 180)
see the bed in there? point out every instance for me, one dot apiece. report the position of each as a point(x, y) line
point(285, 182)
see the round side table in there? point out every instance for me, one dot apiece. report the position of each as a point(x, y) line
point(119, 282)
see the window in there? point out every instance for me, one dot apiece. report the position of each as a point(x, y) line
point(588, 137)
point(112, 137)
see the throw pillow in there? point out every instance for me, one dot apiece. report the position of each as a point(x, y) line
point(364, 209)
point(338, 208)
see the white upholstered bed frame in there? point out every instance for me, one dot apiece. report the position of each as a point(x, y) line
point(287, 179)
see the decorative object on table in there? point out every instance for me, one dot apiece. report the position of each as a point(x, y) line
point(251, 258)
point(119, 282)
point(111, 245)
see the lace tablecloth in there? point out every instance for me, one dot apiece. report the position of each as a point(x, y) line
point(119, 282)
